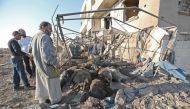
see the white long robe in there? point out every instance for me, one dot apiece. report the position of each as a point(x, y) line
point(47, 77)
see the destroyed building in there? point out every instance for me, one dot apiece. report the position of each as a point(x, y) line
point(107, 25)
point(134, 49)
point(138, 46)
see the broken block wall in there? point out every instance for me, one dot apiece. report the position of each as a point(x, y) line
point(141, 21)
point(127, 50)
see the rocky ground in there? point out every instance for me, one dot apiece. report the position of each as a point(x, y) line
point(9, 98)
point(160, 92)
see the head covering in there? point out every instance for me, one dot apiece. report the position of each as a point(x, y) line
point(15, 33)
point(44, 24)
point(21, 31)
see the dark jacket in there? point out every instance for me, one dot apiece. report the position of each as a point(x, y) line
point(15, 48)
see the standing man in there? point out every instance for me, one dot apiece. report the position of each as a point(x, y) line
point(24, 43)
point(48, 88)
point(18, 67)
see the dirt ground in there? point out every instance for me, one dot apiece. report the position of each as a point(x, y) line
point(9, 98)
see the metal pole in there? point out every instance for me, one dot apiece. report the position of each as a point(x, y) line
point(62, 36)
point(57, 39)
point(93, 11)
point(75, 31)
point(127, 24)
point(55, 28)
point(136, 28)
point(83, 18)
point(107, 10)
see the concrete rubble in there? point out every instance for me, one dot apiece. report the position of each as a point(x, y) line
point(157, 92)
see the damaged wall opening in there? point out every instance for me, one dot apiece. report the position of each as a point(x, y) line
point(130, 13)
point(184, 7)
point(107, 22)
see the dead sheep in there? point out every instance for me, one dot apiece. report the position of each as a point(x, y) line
point(99, 89)
point(65, 76)
point(82, 78)
point(105, 75)
point(78, 78)
point(109, 74)
point(117, 76)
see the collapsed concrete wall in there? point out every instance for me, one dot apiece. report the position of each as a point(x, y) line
point(151, 43)
point(129, 48)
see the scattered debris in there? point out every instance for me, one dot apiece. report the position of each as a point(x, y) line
point(95, 75)
point(172, 70)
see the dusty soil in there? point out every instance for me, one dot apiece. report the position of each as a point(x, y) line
point(9, 98)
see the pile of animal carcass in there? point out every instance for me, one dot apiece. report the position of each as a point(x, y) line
point(112, 84)
point(94, 79)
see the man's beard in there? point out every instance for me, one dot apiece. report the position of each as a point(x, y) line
point(48, 33)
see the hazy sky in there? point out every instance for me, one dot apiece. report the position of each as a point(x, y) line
point(28, 14)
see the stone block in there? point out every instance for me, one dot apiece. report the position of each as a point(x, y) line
point(148, 90)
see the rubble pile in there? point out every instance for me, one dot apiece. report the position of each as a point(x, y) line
point(104, 81)
point(108, 84)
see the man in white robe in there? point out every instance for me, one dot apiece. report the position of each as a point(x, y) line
point(47, 76)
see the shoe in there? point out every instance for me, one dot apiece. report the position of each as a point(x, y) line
point(32, 76)
point(29, 87)
point(16, 89)
point(46, 101)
